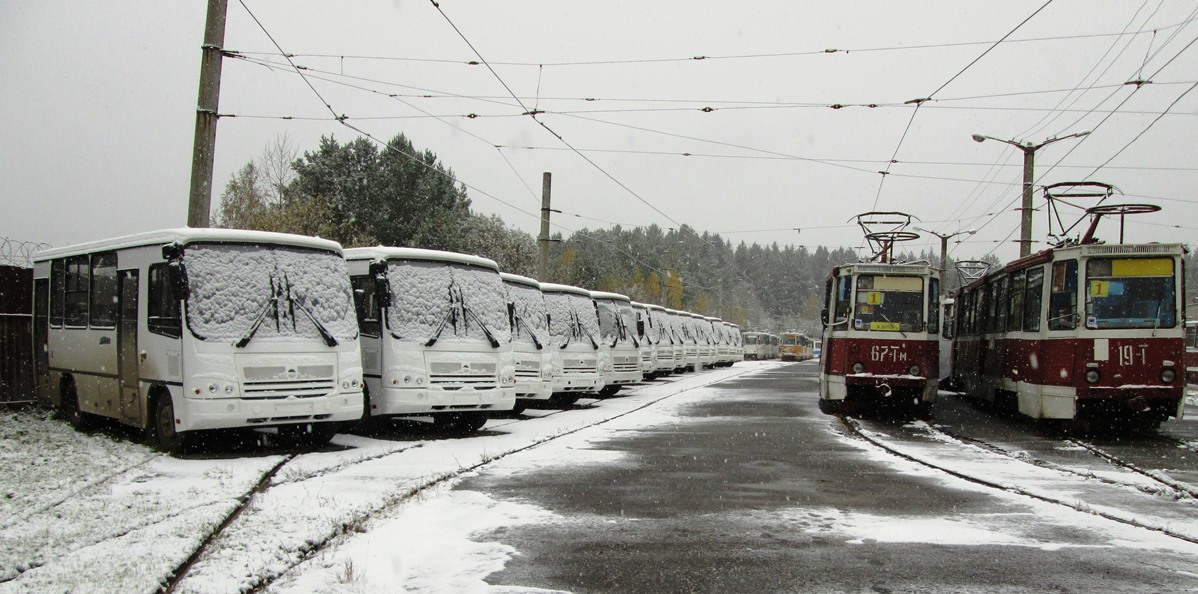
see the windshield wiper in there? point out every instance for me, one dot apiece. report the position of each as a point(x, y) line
point(520, 323)
point(458, 301)
point(490, 337)
point(329, 339)
point(275, 292)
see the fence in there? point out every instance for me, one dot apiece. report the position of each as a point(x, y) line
point(16, 333)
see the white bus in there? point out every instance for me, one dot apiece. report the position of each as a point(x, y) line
point(436, 338)
point(574, 342)
point(619, 348)
point(647, 335)
point(669, 344)
point(684, 325)
point(701, 326)
point(183, 330)
point(530, 339)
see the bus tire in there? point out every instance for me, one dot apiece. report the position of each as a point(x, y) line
point(471, 421)
point(162, 425)
point(78, 419)
point(564, 399)
point(610, 390)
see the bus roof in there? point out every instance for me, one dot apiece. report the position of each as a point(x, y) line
point(611, 296)
point(556, 288)
point(186, 235)
point(519, 280)
point(404, 253)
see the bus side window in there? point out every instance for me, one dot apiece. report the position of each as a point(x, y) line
point(163, 315)
point(58, 275)
point(103, 291)
point(75, 292)
point(366, 305)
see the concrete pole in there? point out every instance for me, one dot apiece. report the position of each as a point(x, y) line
point(200, 202)
point(543, 255)
point(1025, 222)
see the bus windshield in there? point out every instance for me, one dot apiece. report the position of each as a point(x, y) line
point(1130, 293)
point(617, 321)
point(572, 319)
point(889, 303)
point(435, 301)
point(530, 314)
point(239, 292)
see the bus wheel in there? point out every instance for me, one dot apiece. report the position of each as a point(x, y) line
point(609, 390)
point(78, 419)
point(829, 407)
point(168, 439)
point(471, 422)
point(314, 435)
point(564, 399)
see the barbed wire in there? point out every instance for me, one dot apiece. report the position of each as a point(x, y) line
point(18, 253)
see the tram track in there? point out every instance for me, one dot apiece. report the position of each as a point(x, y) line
point(853, 428)
point(175, 581)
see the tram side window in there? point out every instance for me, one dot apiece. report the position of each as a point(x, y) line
point(998, 321)
point(75, 291)
point(366, 305)
point(103, 291)
point(58, 275)
point(1033, 298)
point(844, 303)
point(1015, 312)
point(162, 312)
point(1062, 303)
point(934, 306)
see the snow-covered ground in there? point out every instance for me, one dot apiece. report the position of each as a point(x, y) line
point(92, 513)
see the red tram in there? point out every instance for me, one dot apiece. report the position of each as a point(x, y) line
point(1086, 331)
point(881, 329)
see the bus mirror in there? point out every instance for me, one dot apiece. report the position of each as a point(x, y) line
point(382, 286)
point(172, 251)
point(177, 279)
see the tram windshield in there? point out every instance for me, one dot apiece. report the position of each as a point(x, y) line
point(889, 303)
point(247, 292)
point(1130, 293)
point(750, 339)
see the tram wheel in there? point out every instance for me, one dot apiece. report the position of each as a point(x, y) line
point(829, 407)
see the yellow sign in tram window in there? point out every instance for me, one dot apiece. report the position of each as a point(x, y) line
point(1142, 267)
point(884, 326)
point(874, 298)
point(1100, 288)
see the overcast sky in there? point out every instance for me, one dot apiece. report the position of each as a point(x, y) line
point(99, 109)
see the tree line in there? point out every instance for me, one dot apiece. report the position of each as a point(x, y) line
point(358, 195)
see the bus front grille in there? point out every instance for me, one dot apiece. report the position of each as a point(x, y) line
point(289, 388)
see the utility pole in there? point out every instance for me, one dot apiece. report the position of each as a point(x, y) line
point(543, 256)
point(200, 202)
point(944, 253)
point(1029, 158)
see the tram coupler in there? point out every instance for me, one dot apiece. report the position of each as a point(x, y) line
point(884, 390)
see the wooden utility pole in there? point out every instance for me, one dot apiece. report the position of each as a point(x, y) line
point(200, 202)
point(543, 256)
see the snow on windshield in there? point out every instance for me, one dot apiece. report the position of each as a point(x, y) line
point(617, 320)
point(564, 309)
point(530, 308)
point(427, 293)
point(232, 285)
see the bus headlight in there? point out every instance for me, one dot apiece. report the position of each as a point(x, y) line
point(229, 389)
point(1168, 375)
point(212, 388)
point(858, 367)
point(913, 370)
point(507, 378)
point(1092, 376)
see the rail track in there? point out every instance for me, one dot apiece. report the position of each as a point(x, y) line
point(853, 428)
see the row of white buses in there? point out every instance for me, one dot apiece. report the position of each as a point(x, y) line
point(185, 330)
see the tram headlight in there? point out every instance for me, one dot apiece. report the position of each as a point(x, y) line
point(913, 370)
point(1168, 375)
point(858, 367)
point(1092, 376)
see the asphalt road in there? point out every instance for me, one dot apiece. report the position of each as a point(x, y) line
point(750, 493)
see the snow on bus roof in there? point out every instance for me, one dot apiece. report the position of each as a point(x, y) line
point(404, 253)
point(606, 295)
point(186, 235)
point(518, 279)
point(556, 288)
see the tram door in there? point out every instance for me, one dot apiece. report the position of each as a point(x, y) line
point(127, 356)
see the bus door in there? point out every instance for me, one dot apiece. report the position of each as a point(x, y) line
point(127, 355)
